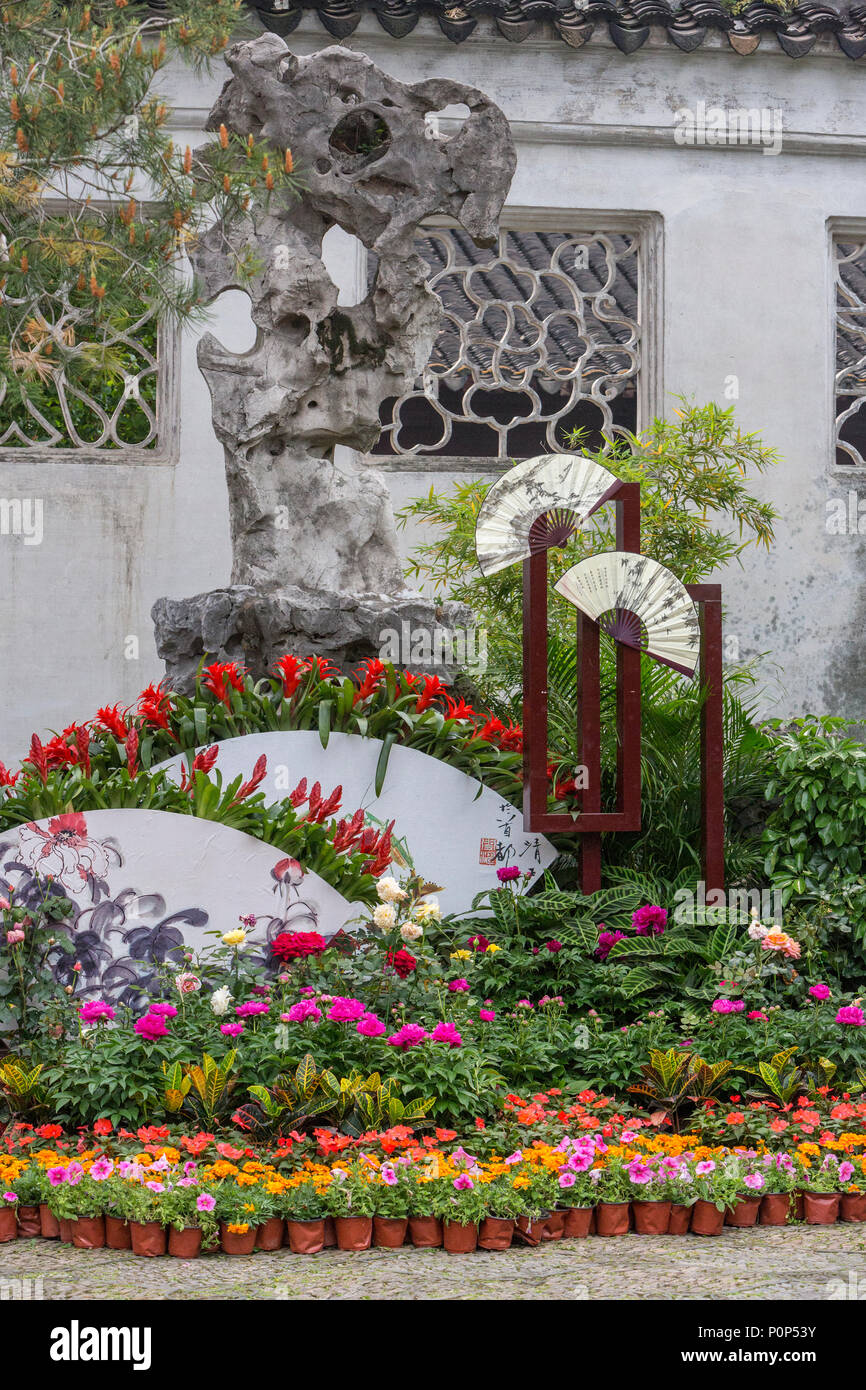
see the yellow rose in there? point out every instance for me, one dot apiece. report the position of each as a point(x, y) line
point(235, 938)
point(492, 947)
point(461, 955)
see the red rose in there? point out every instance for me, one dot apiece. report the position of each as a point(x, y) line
point(290, 945)
point(402, 961)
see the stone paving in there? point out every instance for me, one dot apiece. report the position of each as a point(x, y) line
point(770, 1263)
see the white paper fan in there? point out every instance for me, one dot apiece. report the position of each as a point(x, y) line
point(639, 603)
point(537, 504)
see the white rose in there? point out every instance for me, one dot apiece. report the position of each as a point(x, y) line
point(428, 910)
point(220, 1000)
point(390, 891)
point(410, 931)
point(384, 916)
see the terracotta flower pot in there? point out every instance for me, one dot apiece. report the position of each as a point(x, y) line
point(577, 1222)
point(821, 1208)
point(389, 1232)
point(269, 1236)
point(237, 1242)
point(774, 1209)
point(65, 1230)
point(495, 1233)
point(651, 1218)
point(707, 1220)
point(425, 1232)
point(460, 1237)
point(680, 1217)
point(28, 1222)
point(305, 1237)
point(88, 1233)
point(148, 1238)
point(554, 1226)
point(185, 1244)
point(117, 1233)
point(530, 1232)
point(744, 1212)
point(851, 1208)
point(354, 1232)
point(48, 1222)
point(8, 1225)
point(612, 1218)
point(330, 1233)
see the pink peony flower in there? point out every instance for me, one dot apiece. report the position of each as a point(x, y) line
point(151, 1026)
point(232, 1030)
point(852, 1015)
point(649, 919)
point(96, 1011)
point(554, 946)
point(369, 1026)
point(607, 939)
point(458, 986)
point(410, 1035)
point(820, 991)
point(447, 1033)
point(15, 936)
point(252, 1007)
point(487, 1015)
point(344, 1010)
point(163, 1010)
point(302, 1011)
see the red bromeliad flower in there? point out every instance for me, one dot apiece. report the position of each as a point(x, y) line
point(320, 808)
point(154, 706)
point(433, 687)
point(321, 666)
point(294, 945)
point(348, 832)
point(247, 788)
point(220, 678)
point(38, 758)
point(204, 761)
point(7, 778)
point(374, 671)
point(110, 718)
point(289, 670)
point(82, 747)
point(132, 752)
point(459, 710)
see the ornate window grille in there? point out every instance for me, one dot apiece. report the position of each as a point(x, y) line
point(542, 334)
point(849, 263)
point(129, 414)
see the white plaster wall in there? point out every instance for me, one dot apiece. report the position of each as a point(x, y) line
point(746, 286)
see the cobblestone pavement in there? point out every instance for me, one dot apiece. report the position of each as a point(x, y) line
point(793, 1263)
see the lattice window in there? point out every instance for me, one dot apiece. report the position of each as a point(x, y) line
point(849, 259)
point(541, 334)
point(113, 410)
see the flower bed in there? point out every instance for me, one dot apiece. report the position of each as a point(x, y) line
point(160, 1192)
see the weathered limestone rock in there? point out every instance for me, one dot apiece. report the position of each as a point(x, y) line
point(315, 554)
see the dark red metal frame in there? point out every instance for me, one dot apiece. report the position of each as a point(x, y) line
point(592, 821)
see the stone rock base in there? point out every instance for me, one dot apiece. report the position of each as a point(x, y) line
point(244, 624)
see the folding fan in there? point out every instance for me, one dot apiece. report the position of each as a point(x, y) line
point(538, 504)
point(639, 603)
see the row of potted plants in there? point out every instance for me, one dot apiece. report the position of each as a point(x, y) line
point(162, 1198)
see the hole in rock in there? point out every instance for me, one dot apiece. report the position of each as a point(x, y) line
point(345, 259)
point(359, 138)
